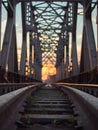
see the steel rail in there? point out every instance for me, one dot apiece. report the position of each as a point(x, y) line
point(78, 85)
point(87, 106)
point(10, 104)
point(92, 89)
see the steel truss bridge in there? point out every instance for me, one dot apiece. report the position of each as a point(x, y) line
point(50, 33)
point(51, 26)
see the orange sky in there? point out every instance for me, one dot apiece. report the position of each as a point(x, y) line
point(48, 69)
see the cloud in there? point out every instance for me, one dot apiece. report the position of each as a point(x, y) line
point(19, 27)
point(79, 36)
point(19, 35)
point(94, 20)
point(18, 32)
point(3, 26)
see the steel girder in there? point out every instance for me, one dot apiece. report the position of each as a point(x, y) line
point(50, 0)
point(88, 54)
point(67, 61)
point(24, 40)
point(48, 27)
point(97, 32)
point(60, 71)
point(13, 59)
point(63, 36)
point(9, 52)
point(74, 59)
point(29, 25)
point(0, 28)
point(37, 59)
point(37, 22)
point(60, 51)
point(68, 27)
point(37, 71)
point(34, 40)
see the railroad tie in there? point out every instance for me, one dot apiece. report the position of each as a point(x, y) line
point(47, 108)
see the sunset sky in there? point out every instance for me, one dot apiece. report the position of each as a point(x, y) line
point(48, 69)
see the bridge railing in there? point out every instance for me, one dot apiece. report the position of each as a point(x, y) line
point(88, 77)
point(12, 77)
point(88, 88)
point(8, 87)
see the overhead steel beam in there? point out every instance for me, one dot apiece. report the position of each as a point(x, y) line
point(10, 5)
point(50, 0)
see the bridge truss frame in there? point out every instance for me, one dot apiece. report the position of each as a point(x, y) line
point(69, 25)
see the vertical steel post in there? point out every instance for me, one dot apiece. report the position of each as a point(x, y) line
point(30, 53)
point(67, 60)
point(13, 60)
point(74, 49)
point(88, 55)
point(67, 45)
point(97, 33)
point(24, 40)
point(8, 37)
point(0, 23)
point(0, 28)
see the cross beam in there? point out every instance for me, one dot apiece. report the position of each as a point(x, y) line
point(50, 0)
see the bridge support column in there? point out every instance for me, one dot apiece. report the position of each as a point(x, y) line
point(13, 60)
point(24, 42)
point(88, 54)
point(74, 50)
point(59, 73)
point(97, 33)
point(0, 28)
point(67, 62)
point(30, 59)
point(31, 52)
point(37, 72)
point(9, 52)
point(62, 70)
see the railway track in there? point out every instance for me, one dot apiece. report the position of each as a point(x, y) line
point(48, 109)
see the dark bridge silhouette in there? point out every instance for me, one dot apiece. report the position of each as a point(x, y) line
point(61, 37)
